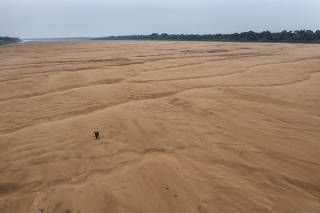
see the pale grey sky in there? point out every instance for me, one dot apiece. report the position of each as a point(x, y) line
point(67, 18)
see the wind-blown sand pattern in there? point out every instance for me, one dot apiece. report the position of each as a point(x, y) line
point(185, 127)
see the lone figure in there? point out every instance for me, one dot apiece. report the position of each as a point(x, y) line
point(96, 134)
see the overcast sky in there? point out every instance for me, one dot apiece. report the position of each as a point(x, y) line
point(67, 18)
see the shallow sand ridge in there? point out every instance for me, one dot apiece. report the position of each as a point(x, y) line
point(184, 127)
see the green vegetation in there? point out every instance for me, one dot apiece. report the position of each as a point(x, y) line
point(8, 40)
point(299, 36)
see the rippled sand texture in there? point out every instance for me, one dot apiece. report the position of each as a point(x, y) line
point(185, 127)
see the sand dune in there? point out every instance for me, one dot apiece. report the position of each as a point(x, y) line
point(185, 127)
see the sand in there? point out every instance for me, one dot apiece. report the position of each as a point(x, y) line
point(184, 127)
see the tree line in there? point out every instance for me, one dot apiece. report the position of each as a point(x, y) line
point(298, 36)
point(8, 40)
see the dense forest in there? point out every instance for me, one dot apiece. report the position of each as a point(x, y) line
point(8, 40)
point(299, 36)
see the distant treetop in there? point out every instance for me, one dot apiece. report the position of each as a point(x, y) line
point(8, 40)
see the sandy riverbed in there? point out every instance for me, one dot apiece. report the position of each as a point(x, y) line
point(185, 127)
